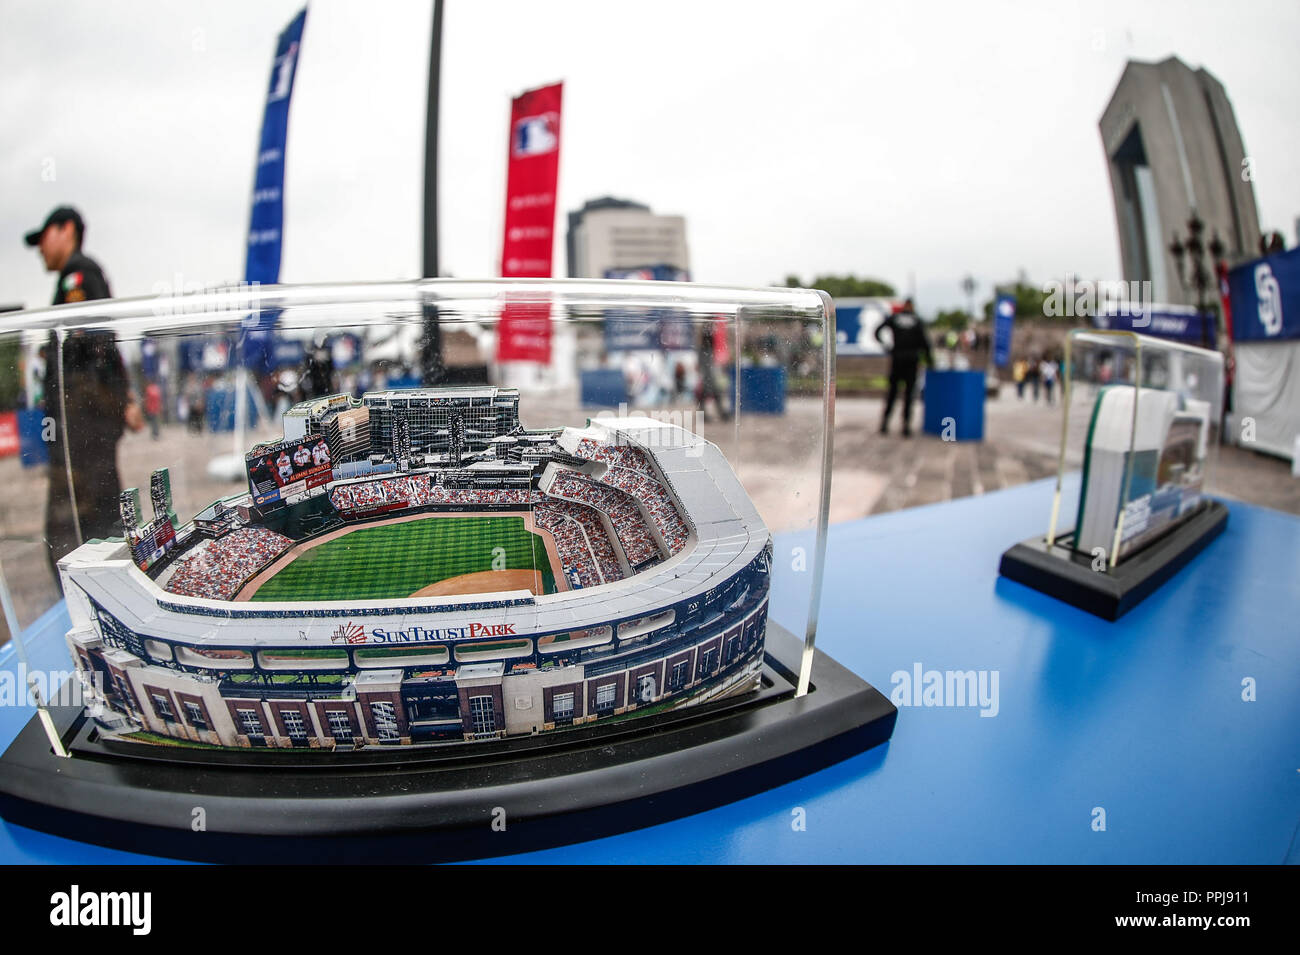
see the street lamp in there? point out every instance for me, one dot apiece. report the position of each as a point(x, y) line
point(1188, 255)
point(968, 286)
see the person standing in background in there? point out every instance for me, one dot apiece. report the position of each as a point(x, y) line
point(707, 389)
point(153, 406)
point(910, 343)
point(1048, 372)
point(320, 372)
point(59, 241)
point(86, 398)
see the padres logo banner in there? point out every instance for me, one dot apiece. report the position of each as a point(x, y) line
point(1265, 299)
point(534, 167)
point(1265, 296)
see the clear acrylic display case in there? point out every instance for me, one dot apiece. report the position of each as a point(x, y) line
point(271, 594)
point(1141, 419)
point(1140, 425)
point(201, 410)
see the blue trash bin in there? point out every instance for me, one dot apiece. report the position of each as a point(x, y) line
point(35, 452)
point(956, 399)
point(603, 388)
point(762, 390)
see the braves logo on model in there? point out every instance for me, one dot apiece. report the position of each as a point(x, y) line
point(348, 633)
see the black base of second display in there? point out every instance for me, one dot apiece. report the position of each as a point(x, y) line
point(391, 806)
point(1061, 573)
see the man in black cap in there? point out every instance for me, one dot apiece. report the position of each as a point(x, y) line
point(909, 344)
point(98, 402)
point(59, 240)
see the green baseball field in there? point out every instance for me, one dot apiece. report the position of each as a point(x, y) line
point(433, 556)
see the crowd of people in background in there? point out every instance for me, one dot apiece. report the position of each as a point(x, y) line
point(1039, 374)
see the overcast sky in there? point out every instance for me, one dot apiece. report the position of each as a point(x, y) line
point(886, 139)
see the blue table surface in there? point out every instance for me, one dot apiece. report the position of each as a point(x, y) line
point(1143, 718)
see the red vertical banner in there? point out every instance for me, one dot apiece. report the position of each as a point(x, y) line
point(524, 332)
point(531, 179)
point(721, 351)
point(9, 443)
point(533, 172)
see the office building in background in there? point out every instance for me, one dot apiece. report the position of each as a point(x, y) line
point(614, 234)
point(1173, 146)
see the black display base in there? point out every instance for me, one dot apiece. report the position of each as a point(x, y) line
point(1062, 573)
point(437, 803)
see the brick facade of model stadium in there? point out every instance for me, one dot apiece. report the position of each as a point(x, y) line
point(345, 695)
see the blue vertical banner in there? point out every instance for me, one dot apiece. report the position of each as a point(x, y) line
point(266, 223)
point(1004, 320)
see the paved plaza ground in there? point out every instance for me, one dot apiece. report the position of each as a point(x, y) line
point(774, 456)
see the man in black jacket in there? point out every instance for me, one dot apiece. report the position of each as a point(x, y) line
point(59, 241)
point(98, 402)
point(909, 344)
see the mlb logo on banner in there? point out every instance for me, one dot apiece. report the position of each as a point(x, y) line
point(536, 135)
point(532, 175)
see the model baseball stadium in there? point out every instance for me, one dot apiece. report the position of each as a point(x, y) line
point(414, 567)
